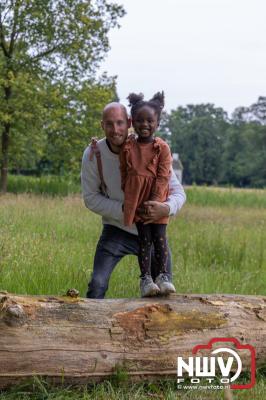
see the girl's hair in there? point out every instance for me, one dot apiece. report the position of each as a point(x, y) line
point(136, 101)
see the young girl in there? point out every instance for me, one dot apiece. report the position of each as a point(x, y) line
point(145, 163)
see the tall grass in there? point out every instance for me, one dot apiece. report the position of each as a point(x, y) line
point(226, 197)
point(197, 195)
point(47, 246)
point(112, 390)
point(46, 184)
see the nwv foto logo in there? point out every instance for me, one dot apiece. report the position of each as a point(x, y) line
point(223, 363)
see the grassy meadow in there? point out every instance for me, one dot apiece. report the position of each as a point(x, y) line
point(47, 245)
point(218, 246)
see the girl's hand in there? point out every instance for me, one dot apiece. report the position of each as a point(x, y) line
point(153, 210)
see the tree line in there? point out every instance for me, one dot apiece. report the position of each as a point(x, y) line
point(215, 149)
point(51, 100)
point(50, 96)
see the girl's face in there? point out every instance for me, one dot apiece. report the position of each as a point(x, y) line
point(145, 121)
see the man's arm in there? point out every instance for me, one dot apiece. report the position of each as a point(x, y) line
point(177, 195)
point(93, 198)
point(174, 203)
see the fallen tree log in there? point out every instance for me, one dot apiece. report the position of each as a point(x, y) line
point(86, 340)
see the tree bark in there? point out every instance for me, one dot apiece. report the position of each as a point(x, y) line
point(5, 144)
point(82, 340)
point(4, 165)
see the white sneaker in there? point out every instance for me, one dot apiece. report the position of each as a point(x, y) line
point(147, 287)
point(164, 284)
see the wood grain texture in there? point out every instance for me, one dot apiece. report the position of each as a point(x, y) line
point(83, 340)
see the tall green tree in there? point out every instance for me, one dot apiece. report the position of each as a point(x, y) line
point(74, 117)
point(197, 133)
point(40, 40)
point(54, 127)
point(254, 113)
point(244, 155)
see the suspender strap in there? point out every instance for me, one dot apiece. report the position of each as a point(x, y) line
point(95, 150)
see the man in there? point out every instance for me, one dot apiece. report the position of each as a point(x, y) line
point(117, 240)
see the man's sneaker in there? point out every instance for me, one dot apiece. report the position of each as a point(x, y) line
point(148, 287)
point(164, 284)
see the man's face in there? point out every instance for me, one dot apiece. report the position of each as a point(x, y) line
point(115, 124)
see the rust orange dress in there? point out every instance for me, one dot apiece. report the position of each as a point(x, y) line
point(145, 172)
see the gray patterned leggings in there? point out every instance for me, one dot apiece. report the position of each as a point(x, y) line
point(148, 234)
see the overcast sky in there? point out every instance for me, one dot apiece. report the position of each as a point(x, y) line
point(195, 50)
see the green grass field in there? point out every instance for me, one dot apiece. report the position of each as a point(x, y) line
point(47, 246)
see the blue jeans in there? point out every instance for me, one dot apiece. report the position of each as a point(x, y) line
point(113, 245)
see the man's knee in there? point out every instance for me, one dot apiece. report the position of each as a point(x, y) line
point(97, 288)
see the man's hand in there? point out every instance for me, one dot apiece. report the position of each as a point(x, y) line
point(152, 211)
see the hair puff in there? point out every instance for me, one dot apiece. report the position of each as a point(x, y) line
point(135, 98)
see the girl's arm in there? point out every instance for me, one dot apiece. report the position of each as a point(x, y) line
point(161, 182)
